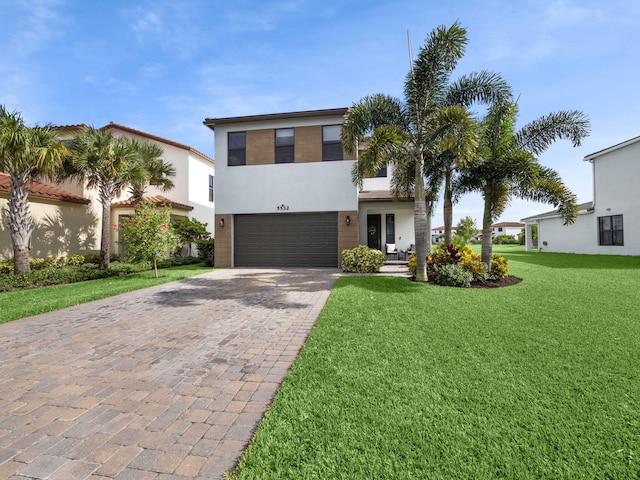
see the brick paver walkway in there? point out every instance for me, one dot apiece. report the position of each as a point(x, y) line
point(163, 383)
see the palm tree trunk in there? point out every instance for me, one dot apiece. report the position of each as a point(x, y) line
point(487, 221)
point(420, 223)
point(20, 223)
point(105, 234)
point(447, 208)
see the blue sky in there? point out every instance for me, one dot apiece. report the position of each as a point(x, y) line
point(162, 66)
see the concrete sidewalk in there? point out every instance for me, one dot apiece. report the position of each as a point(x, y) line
point(163, 383)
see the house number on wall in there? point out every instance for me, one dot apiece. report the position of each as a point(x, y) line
point(282, 208)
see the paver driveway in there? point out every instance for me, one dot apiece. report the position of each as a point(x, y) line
point(163, 383)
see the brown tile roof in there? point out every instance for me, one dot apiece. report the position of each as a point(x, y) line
point(379, 196)
point(508, 224)
point(40, 190)
point(157, 199)
point(117, 126)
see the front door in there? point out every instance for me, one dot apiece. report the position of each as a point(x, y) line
point(374, 231)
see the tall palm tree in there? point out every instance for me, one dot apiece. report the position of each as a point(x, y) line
point(509, 167)
point(25, 154)
point(158, 172)
point(418, 134)
point(108, 164)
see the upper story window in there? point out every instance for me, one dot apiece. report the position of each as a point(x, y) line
point(211, 188)
point(382, 172)
point(331, 143)
point(284, 145)
point(237, 146)
point(610, 230)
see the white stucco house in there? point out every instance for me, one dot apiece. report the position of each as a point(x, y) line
point(67, 216)
point(285, 197)
point(513, 229)
point(610, 224)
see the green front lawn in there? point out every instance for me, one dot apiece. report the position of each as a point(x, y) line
point(406, 381)
point(22, 303)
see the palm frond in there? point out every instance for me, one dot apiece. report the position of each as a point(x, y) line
point(425, 85)
point(368, 114)
point(484, 87)
point(539, 134)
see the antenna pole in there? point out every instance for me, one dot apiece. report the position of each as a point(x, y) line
point(410, 54)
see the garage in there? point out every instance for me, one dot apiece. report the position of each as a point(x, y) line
point(286, 240)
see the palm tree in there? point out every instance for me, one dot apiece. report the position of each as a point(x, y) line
point(422, 133)
point(508, 166)
point(25, 154)
point(108, 164)
point(157, 171)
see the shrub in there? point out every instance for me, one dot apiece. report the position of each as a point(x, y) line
point(6, 266)
point(499, 267)
point(177, 261)
point(454, 275)
point(362, 259)
point(505, 240)
point(472, 262)
point(206, 250)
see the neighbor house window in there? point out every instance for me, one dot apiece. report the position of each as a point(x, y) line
point(331, 143)
point(391, 228)
point(382, 172)
point(610, 230)
point(211, 188)
point(237, 143)
point(284, 145)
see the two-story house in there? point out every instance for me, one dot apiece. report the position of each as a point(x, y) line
point(610, 224)
point(285, 196)
point(67, 216)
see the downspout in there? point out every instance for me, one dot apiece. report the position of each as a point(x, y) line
point(593, 184)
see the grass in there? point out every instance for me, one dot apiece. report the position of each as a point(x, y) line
point(23, 303)
point(402, 381)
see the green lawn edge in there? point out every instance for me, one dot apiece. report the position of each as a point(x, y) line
point(23, 303)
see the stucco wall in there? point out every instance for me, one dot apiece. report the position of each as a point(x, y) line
point(294, 187)
point(616, 175)
point(60, 229)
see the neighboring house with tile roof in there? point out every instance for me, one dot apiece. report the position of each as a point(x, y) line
point(192, 196)
point(513, 229)
point(610, 224)
point(64, 221)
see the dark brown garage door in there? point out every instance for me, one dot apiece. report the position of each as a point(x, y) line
point(286, 240)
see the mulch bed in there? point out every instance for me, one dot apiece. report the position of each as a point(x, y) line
point(502, 282)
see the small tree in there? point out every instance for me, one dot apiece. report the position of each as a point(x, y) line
point(189, 230)
point(465, 230)
point(147, 234)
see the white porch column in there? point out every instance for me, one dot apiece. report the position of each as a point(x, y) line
point(528, 237)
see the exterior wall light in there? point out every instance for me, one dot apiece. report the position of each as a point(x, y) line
point(348, 220)
point(221, 222)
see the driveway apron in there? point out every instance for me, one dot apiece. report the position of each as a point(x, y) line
point(168, 382)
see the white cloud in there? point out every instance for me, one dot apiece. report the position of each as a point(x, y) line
point(42, 23)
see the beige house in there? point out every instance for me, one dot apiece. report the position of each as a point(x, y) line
point(67, 216)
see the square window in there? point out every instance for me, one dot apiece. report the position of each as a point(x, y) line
point(610, 230)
